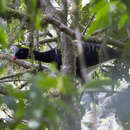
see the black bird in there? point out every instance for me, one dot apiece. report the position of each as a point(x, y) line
point(90, 52)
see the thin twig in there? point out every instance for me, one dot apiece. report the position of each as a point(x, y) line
point(88, 24)
point(16, 74)
point(11, 80)
point(110, 40)
point(48, 40)
point(23, 85)
point(101, 30)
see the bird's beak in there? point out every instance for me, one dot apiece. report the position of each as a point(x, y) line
point(14, 58)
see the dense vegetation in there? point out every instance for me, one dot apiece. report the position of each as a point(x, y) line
point(35, 95)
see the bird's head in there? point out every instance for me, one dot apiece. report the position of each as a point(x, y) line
point(20, 53)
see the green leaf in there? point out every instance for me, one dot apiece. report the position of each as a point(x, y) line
point(17, 93)
point(102, 16)
point(3, 6)
point(126, 50)
point(36, 102)
point(121, 9)
point(31, 4)
point(3, 126)
point(65, 85)
point(84, 17)
point(3, 71)
point(38, 20)
point(21, 126)
point(127, 3)
point(122, 20)
point(3, 37)
point(10, 102)
point(108, 13)
point(51, 113)
point(97, 84)
point(20, 109)
point(45, 81)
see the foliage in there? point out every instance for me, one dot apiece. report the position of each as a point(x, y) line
point(3, 5)
point(3, 35)
point(107, 15)
point(40, 104)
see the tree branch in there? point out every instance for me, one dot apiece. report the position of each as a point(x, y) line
point(16, 74)
point(88, 24)
point(22, 63)
point(110, 41)
point(11, 80)
point(48, 40)
point(11, 13)
point(55, 22)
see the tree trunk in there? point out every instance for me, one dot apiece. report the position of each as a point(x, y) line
point(71, 121)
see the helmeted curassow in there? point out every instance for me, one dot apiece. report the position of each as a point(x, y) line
point(90, 52)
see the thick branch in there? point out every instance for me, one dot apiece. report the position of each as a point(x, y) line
point(59, 25)
point(55, 22)
point(110, 41)
point(22, 63)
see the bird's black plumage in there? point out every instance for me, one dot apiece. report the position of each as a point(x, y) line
point(90, 52)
